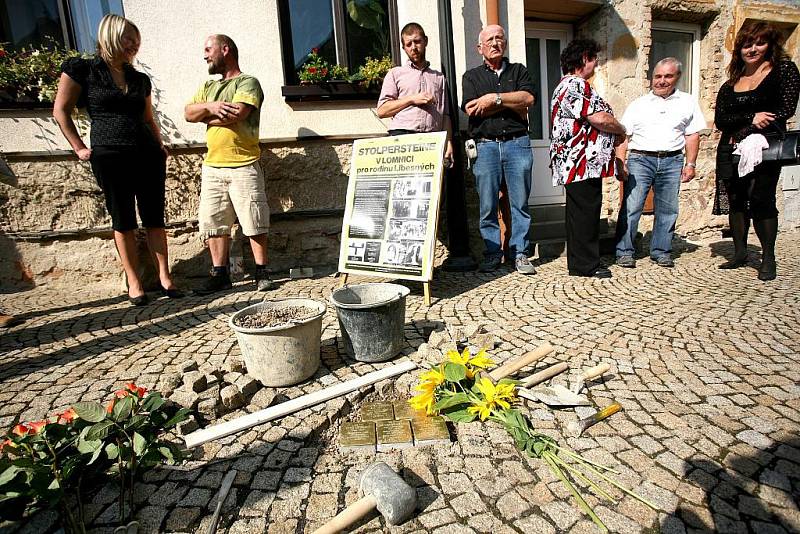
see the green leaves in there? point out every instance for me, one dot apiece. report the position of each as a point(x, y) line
point(123, 408)
point(454, 372)
point(366, 13)
point(9, 474)
point(99, 431)
point(90, 411)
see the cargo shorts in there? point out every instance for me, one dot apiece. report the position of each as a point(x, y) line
point(231, 193)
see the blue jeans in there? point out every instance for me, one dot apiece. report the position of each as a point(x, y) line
point(513, 161)
point(664, 175)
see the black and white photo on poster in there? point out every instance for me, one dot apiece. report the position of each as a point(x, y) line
point(404, 253)
point(407, 229)
point(412, 188)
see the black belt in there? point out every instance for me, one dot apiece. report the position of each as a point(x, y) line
point(499, 138)
point(657, 153)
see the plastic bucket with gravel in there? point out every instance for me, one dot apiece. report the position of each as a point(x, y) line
point(280, 339)
point(372, 318)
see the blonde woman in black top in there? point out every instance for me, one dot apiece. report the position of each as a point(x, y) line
point(127, 154)
point(760, 95)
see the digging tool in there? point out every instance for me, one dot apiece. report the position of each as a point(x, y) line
point(589, 374)
point(513, 366)
point(576, 428)
point(545, 374)
point(559, 395)
point(283, 409)
point(382, 489)
point(227, 482)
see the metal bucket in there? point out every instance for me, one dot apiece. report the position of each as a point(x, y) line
point(371, 318)
point(285, 354)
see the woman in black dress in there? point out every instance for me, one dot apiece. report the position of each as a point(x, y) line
point(128, 157)
point(759, 96)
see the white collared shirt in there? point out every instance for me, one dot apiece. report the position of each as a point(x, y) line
point(659, 124)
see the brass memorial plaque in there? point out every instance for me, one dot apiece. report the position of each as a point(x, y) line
point(403, 410)
point(377, 411)
point(393, 435)
point(357, 436)
point(430, 431)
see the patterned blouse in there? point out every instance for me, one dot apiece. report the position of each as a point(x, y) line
point(578, 151)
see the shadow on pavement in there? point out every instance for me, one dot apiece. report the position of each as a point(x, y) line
point(755, 492)
point(152, 321)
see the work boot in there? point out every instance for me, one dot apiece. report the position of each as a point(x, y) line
point(220, 279)
point(263, 283)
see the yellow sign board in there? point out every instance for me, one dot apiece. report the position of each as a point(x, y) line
point(392, 208)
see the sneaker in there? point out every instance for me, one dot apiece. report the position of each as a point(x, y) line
point(219, 280)
point(263, 283)
point(489, 264)
point(523, 265)
point(664, 261)
point(626, 261)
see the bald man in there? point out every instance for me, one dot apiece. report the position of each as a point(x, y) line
point(496, 97)
point(232, 182)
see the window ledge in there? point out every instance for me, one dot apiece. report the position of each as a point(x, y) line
point(328, 91)
point(15, 104)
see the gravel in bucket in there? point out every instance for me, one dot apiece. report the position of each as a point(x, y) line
point(270, 318)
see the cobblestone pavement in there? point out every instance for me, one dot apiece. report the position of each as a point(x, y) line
point(704, 362)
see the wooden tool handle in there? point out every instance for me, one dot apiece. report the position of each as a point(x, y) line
point(597, 370)
point(543, 375)
point(606, 412)
point(348, 516)
point(513, 366)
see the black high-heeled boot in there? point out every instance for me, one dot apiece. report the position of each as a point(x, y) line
point(740, 225)
point(767, 232)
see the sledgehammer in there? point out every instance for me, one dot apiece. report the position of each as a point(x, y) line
point(382, 488)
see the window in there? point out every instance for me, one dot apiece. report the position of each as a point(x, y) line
point(346, 32)
point(73, 23)
point(681, 41)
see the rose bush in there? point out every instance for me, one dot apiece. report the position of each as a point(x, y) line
point(47, 463)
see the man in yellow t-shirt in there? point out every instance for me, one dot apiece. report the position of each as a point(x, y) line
point(232, 183)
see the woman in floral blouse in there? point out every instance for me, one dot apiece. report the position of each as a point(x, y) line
point(582, 154)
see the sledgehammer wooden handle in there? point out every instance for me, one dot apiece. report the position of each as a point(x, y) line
point(348, 516)
point(513, 366)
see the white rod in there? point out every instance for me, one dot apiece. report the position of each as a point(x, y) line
point(227, 428)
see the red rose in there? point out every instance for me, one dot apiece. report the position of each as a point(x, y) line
point(315, 50)
point(20, 430)
point(37, 426)
point(68, 416)
point(312, 70)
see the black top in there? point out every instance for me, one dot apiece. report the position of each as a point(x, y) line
point(483, 80)
point(777, 93)
point(117, 117)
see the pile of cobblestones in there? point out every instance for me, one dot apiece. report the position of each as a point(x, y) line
point(213, 392)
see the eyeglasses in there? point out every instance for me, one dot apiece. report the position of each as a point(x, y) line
point(495, 39)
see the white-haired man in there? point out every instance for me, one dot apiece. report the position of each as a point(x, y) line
point(660, 151)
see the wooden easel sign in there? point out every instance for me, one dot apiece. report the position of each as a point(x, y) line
point(392, 208)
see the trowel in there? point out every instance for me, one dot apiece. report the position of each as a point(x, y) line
point(559, 395)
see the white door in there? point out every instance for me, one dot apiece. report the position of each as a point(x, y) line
point(543, 45)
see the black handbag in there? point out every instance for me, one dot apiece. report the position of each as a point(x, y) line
point(784, 147)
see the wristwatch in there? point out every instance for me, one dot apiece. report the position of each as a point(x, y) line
point(498, 100)
point(690, 164)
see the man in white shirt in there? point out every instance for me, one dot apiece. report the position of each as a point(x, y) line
point(659, 126)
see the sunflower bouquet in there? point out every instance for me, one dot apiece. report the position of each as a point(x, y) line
point(459, 389)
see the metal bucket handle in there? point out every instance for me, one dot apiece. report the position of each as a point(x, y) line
point(391, 299)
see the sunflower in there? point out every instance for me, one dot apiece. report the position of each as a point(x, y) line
point(494, 396)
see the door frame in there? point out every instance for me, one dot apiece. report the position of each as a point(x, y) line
point(543, 31)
